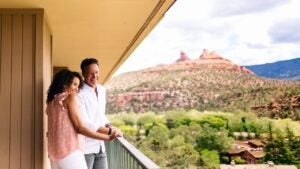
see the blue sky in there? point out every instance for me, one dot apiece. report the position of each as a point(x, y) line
point(247, 32)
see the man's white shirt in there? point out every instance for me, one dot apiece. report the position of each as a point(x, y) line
point(92, 108)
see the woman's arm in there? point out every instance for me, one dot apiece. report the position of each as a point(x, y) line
point(110, 131)
point(72, 105)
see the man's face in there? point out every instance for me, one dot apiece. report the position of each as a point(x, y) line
point(91, 75)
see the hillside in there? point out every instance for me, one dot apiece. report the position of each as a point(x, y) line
point(207, 83)
point(288, 69)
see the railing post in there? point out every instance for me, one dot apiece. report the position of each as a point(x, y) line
point(123, 155)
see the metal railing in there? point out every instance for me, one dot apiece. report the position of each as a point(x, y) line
point(123, 155)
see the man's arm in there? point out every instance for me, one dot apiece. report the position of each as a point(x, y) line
point(111, 128)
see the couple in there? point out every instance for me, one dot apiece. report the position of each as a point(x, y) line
point(73, 113)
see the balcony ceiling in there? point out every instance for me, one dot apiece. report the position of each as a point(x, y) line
point(108, 30)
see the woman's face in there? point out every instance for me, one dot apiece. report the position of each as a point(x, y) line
point(73, 88)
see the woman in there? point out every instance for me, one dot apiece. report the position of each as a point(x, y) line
point(65, 125)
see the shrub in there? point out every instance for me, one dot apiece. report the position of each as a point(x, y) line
point(238, 160)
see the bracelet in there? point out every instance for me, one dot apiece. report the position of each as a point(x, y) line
point(109, 131)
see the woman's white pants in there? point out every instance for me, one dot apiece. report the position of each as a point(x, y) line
point(75, 160)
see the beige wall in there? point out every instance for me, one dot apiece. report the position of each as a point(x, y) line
point(21, 88)
point(47, 67)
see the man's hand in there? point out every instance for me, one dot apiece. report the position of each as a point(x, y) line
point(117, 132)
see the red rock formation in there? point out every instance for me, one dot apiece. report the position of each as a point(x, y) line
point(209, 59)
point(282, 104)
point(120, 100)
point(183, 57)
point(216, 61)
point(210, 55)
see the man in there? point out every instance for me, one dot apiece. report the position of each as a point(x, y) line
point(92, 100)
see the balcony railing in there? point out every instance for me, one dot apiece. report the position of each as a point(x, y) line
point(123, 155)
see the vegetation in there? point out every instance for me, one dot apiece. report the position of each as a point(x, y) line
point(284, 149)
point(182, 134)
point(191, 139)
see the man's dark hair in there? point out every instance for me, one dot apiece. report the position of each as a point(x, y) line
point(86, 62)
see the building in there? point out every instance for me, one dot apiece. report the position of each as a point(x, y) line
point(249, 150)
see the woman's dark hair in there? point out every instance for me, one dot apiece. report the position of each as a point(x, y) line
point(86, 62)
point(62, 78)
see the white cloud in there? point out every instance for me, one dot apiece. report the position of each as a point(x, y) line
point(226, 8)
point(244, 31)
point(286, 31)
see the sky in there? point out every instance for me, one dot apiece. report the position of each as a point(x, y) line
point(247, 32)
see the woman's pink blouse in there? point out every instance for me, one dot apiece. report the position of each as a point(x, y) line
point(62, 137)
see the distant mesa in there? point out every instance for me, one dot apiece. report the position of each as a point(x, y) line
point(210, 55)
point(211, 59)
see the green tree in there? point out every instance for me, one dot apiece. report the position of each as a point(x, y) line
point(296, 150)
point(209, 159)
point(255, 128)
point(294, 145)
point(213, 139)
point(158, 136)
point(277, 149)
point(270, 132)
point(180, 154)
point(129, 132)
point(145, 119)
point(185, 121)
point(290, 135)
point(212, 121)
point(129, 120)
point(170, 123)
point(183, 131)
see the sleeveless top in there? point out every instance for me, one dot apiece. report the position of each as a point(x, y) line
point(62, 136)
